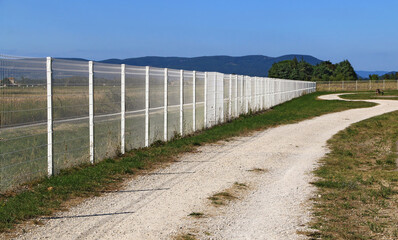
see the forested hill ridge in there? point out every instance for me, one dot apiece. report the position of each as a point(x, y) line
point(253, 65)
point(323, 71)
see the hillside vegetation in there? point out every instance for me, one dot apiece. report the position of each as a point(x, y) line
point(302, 70)
point(252, 65)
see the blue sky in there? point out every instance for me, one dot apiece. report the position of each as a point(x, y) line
point(364, 32)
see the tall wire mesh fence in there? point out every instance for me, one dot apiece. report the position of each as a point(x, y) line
point(56, 113)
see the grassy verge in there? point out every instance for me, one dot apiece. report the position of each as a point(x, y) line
point(388, 94)
point(358, 183)
point(49, 195)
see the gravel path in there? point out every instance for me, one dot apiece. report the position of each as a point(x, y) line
point(156, 206)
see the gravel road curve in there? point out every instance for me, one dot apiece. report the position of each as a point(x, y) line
point(156, 206)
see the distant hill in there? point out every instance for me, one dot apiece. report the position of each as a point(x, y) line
point(365, 74)
point(254, 65)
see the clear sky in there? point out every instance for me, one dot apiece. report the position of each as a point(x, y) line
point(363, 31)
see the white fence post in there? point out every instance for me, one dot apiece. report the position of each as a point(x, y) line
point(91, 107)
point(241, 95)
point(181, 102)
point(215, 99)
point(123, 109)
point(230, 97)
point(262, 93)
point(205, 104)
point(50, 163)
point(165, 109)
point(236, 96)
point(246, 99)
point(147, 106)
point(221, 92)
point(194, 101)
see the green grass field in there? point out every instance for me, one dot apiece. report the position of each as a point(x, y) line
point(45, 196)
point(388, 94)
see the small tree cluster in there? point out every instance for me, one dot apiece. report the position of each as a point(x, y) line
point(390, 76)
point(301, 70)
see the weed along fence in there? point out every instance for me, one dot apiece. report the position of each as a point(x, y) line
point(59, 113)
point(358, 85)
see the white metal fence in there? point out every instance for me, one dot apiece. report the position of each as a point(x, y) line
point(357, 85)
point(59, 113)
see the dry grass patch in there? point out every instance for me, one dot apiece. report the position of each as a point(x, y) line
point(358, 183)
point(185, 236)
point(196, 214)
point(229, 194)
point(258, 170)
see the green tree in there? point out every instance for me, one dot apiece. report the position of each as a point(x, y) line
point(293, 69)
point(323, 71)
point(345, 71)
point(281, 69)
point(305, 70)
point(373, 77)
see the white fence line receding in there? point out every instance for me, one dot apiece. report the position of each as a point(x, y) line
point(58, 113)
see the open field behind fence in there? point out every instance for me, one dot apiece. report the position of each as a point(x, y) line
point(57, 113)
point(359, 85)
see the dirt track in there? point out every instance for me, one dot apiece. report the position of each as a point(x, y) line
point(156, 206)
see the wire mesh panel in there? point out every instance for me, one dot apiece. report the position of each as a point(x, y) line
point(276, 92)
point(107, 107)
point(248, 94)
point(234, 96)
point(264, 93)
point(200, 98)
point(135, 107)
point(253, 94)
point(288, 90)
point(283, 93)
point(273, 93)
point(70, 113)
point(257, 92)
point(225, 115)
point(23, 117)
point(173, 102)
point(240, 94)
point(211, 97)
point(219, 98)
point(188, 100)
point(156, 104)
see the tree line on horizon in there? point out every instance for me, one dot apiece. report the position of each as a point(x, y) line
point(387, 76)
point(302, 70)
